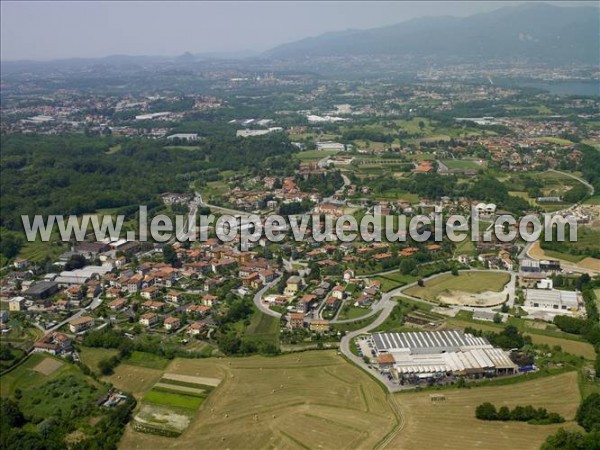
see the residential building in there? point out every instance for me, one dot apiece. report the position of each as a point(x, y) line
point(81, 324)
point(149, 319)
point(172, 323)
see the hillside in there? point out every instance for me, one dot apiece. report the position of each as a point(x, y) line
point(537, 32)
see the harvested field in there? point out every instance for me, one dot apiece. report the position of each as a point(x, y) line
point(451, 424)
point(311, 400)
point(191, 379)
point(175, 387)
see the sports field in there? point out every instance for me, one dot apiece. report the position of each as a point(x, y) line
point(451, 424)
point(311, 400)
point(449, 287)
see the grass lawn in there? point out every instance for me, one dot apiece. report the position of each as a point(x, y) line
point(174, 400)
point(91, 356)
point(452, 423)
point(25, 376)
point(38, 250)
point(461, 164)
point(394, 280)
point(472, 282)
point(539, 337)
point(149, 360)
point(314, 155)
point(263, 328)
point(114, 149)
point(555, 140)
point(466, 247)
point(60, 394)
point(597, 294)
point(357, 325)
point(587, 238)
point(595, 200)
point(564, 256)
point(352, 312)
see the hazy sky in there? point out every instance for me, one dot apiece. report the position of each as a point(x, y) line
point(53, 29)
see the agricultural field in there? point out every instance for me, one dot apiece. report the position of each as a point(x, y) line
point(468, 288)
point(91, 356)
point(149, 360)
point(538, 337)
point(34, 371)
point(465, 164)
point(170, 406)
point(310, 400)
point(452, 424)
point(314, 155)
point(263, 328)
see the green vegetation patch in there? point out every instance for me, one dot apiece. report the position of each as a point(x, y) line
point(176, 400)
point(149, 360)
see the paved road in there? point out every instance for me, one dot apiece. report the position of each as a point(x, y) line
point(93, 305)
point(258, 299)
point(581, 180)
point(386, 305)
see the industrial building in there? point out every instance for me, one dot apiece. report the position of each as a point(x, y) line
point(435, 354)
point(552, 299)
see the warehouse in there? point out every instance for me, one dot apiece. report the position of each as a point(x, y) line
point(435, 354)
point(552, 299)
point(427, 342)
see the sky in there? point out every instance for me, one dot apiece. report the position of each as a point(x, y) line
point(54, 30)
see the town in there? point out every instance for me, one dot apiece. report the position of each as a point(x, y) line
point(355, 344)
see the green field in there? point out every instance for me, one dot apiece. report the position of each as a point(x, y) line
point(538, 337)
point(314, 155)
point(172, 399)
point(92, 356)
point(394, 280)
point(352, 312)
point(595, 200)
point(587, 240)
point(25, 376)
point(464, 164)
point(148, 360)
point(263, 328)
point(472, 282)
point(466, 247)
point(555, 140)
point(60, 396)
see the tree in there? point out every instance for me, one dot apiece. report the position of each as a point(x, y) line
point(486, 411)
point(504, 413)
point(588, 413)
point(170, 256)
point(497, 318)
point(10, 413)
point(407, 266)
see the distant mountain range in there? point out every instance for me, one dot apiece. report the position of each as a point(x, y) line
point(534, 31)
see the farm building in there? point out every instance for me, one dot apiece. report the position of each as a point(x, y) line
point(438, 353)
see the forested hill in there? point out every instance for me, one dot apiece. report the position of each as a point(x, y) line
point(76, 174)
point(534, 31)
